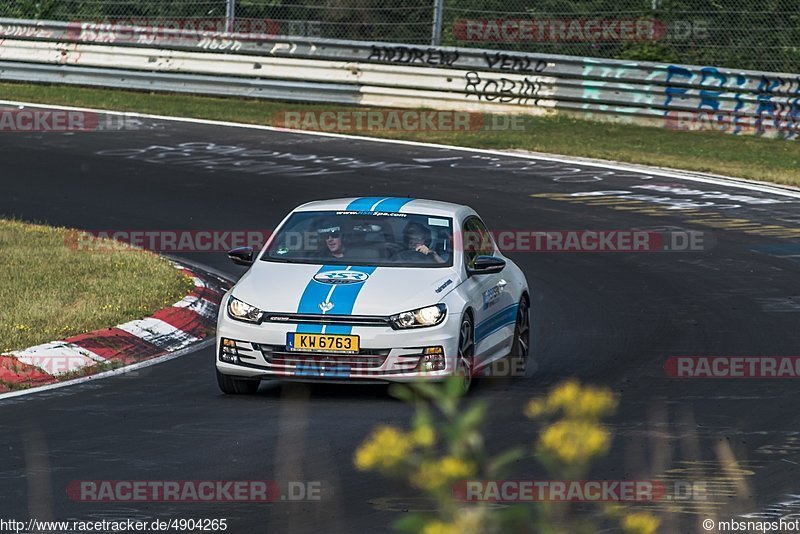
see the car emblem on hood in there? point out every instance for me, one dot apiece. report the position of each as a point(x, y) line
point(341, 277)
point(326, 306)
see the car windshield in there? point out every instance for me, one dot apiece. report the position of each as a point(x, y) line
point(364, 238)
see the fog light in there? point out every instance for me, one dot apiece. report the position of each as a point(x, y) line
point(228, 352)
point(432, 360)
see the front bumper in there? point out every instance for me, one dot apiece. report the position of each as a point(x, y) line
point(386, 355)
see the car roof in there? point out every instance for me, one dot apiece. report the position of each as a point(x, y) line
point(391, 205)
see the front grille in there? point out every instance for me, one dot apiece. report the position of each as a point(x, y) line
point(318, 318)
point(352, 361)
point(365, 359)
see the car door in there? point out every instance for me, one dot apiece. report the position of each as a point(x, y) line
point(489, 298)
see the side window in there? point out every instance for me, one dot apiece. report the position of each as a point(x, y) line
point(486, 247)
point(477, 241)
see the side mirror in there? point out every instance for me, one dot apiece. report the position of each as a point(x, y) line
point(487, 265)
point(242, 255)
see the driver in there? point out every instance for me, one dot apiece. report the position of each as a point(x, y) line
point(330, 234)
point(417, 238)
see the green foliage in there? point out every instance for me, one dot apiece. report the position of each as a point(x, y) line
point(75, 290)
point(445, 448)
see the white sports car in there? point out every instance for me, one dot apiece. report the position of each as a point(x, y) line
point(373, 290)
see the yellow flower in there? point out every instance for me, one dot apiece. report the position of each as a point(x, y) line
point(455, 468)
point(474, 521)
point(536, 408)
point(437, 474)
point(574, 441)
point(438, 527)
point(592, 403)
point(383, 450)
point(564, 394)
point(640, 523)
point(575, 401)
point(424, 436)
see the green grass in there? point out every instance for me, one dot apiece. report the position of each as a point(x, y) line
point(771, 160)
point(51, 290)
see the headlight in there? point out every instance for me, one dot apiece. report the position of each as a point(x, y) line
point(428, 316)
point(242, 311)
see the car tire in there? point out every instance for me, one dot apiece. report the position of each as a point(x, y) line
point(520, 355)
point(237, 386)
point(465, 367)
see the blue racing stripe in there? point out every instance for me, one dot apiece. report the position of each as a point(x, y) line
point(494, 323)
point(364, 204)
point(392, 205)
point(314, 293)
point(344, 300)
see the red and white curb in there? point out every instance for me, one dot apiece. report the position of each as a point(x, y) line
point(187, 322)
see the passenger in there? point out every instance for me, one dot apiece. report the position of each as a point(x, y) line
point(417, 238)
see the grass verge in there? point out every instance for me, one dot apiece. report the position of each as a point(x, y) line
point(50, 290)
point(771, 160)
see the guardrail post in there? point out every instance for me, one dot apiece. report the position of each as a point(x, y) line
point(230, 13)
point(436, 36)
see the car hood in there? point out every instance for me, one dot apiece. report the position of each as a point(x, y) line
point(292, 288)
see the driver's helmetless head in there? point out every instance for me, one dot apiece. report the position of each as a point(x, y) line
point(415, 234)
point(332, 235)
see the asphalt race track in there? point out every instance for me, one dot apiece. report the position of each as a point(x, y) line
point(610, 318)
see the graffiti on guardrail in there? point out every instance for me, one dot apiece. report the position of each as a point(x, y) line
point(507, 62)
point(212, 43)
point(595, 87)
point(670, 96)
point(737, 103)
point(409, 55)
point(503, 90)
point(689, 98)
point(25, 31)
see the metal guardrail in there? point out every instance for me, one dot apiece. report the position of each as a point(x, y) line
point(179, 83)
point(387, 75)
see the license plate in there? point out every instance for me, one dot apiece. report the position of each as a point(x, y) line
point(321, 343)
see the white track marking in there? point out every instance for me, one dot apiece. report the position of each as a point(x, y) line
point(728, 181)
point(58, 357)
point(200, 306)
point(159, 333)
point(107, 374)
